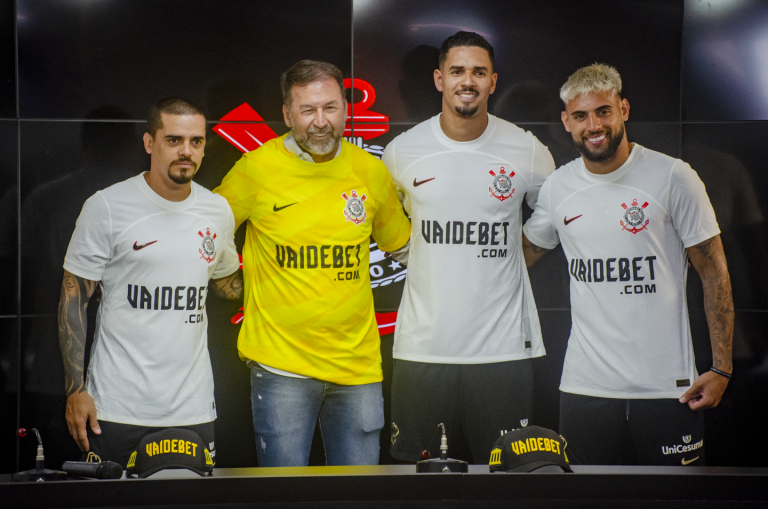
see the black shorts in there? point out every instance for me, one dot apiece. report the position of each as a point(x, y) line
point(607, 431)
point(117, 441)
point(482, 401)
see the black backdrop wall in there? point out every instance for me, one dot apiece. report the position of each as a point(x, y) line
point(77, 77)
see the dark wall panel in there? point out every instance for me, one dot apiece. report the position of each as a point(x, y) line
point(7, 60)
point(731, 162)
point(9, 392)
point(63, 164)
point(130, 54)
point(9, 251)
point(537, 45)
point(725, 60)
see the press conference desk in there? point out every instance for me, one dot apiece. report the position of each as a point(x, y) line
point(399, 486)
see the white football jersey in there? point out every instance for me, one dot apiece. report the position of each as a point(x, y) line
point(624, 235)
point(467, 297)
point(149, 362)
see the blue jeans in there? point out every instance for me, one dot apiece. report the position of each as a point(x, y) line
point(286, 409)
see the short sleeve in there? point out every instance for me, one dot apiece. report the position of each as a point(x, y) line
point(689, 207)
point(90, 248)
point(391, 227)
point(229, 261)
point(388, 158)
point(540, 229)
point(542, 167)
point(239, 189)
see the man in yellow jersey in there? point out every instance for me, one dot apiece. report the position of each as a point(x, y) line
point(312, 201)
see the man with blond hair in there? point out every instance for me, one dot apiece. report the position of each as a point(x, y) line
point(312, 201)
point(629, 220)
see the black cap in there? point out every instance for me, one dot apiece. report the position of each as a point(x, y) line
point(528, 449)
point(170, 448)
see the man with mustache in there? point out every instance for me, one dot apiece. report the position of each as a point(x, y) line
point(630, 219)
point(467, 321)
point(309, 334)
point(151, 244)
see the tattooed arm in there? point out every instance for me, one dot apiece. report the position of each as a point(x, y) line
point(531, 252)
point(229, 287)
point(709, 260)
point(75, 293)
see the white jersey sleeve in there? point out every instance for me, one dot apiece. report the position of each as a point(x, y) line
point(690, 209)
point(229, 261)
point(542, 167)
point(90, 247)
point(388, 158)
point(540, 228)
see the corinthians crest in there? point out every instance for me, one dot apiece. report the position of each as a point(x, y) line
point(634, 217)
point(354, 210)
point(208, 249)
point(501, 188)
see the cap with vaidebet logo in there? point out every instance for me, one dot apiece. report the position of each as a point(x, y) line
point(170, 448)
point(528, 449)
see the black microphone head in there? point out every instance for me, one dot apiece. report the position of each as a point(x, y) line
point(110, 470)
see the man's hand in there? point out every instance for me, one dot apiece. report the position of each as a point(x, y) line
point(531, 252)
point(81, 408)
point(706, 391)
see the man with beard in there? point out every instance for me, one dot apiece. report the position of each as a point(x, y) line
point(467, 321)
point(309, 334)
point(151, 243)
point(630, 219)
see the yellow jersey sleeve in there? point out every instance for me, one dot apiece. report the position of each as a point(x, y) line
point(240, 187)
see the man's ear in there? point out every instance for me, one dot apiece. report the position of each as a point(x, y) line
point(564, 118)
point(148, 142)
point(625, 109)
point(438, 75)
point(287, 115)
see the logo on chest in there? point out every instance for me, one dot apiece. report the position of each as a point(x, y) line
point(501, 187)
point(634, 217)
point(208, 248)
point(354, 209)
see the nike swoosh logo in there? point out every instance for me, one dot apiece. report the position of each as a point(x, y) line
point(689, 461)
point(566, 221)
point(278, 209)
point(417, 184)
point(136, 247)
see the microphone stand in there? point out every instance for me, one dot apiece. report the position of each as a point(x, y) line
point(40, 473)
point(444, 463)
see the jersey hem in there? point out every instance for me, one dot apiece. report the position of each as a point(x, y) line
point(152, 422)
point(701, 237)
point(469, 360)
point(623, 395)
point(533, 238)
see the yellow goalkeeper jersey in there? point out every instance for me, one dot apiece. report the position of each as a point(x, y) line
point(308, 301)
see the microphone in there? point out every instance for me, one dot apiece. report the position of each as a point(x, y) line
point(102, 470)
point(40, 473)
point(443, 463)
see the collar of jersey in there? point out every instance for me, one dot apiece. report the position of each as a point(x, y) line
point(618, 172)
point(313, 167)
point(162, 202)
point(463, 145)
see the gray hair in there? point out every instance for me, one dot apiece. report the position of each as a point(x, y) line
point(306, 71)
point(589, 79)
